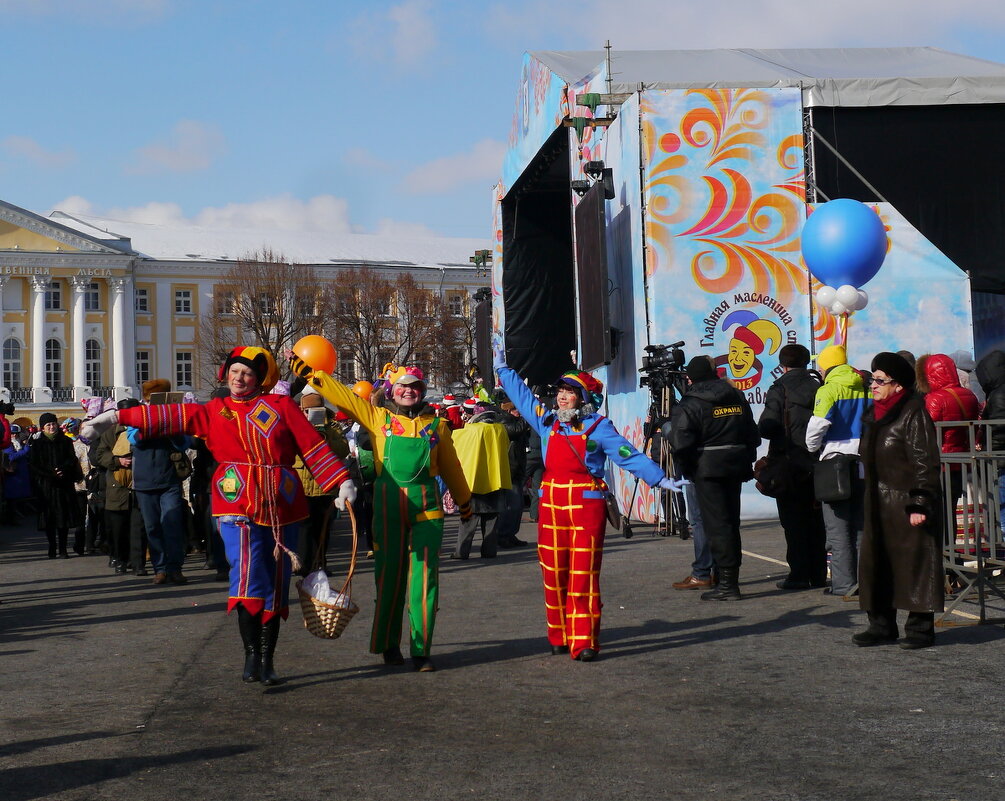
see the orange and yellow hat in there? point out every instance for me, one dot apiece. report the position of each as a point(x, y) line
point(258, 359)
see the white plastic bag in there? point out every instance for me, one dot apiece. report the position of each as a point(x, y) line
point(317, 585)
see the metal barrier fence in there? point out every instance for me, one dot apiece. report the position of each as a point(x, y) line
point(973, 489)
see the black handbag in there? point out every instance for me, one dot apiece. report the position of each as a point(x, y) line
point(773, 474)
point(832, 477)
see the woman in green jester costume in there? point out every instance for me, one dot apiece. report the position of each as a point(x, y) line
point(411, 446)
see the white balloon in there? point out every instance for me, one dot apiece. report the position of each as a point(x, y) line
point(826, 295)
point(863, 299)
point(838, 308)
point(848, 295)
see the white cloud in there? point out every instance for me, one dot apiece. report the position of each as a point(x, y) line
point(365, 159)
point(405, 31)
point(481, 163)
point(684, 24)
point(403, 230)
point(285, 212)
point(282, 212)
point(191, 146)
point(23, 147)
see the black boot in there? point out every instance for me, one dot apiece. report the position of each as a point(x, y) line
point(251, 635)
point(270, 635)
point(728, 588)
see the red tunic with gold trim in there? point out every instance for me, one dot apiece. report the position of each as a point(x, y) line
point(255, 443)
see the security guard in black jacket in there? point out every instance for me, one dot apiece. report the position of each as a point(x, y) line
point(714, 439)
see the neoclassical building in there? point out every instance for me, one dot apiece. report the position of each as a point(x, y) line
point(95, 307)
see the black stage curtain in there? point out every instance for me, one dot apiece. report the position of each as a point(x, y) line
point(538, 281)
point(538, 284)
point(942, 167)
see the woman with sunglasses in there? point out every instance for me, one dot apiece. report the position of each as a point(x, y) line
point(900, 563)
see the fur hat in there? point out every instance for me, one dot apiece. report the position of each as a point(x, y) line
point(895, 366)
point(47, 417)
point(155, 385)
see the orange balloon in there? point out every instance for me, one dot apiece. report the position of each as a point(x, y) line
point(363, 389)
point(317, 352)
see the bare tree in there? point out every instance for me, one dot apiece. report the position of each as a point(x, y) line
point(265, 300)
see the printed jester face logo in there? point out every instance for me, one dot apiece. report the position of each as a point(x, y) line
point(750, 336)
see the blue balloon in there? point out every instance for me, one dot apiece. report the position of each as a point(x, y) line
point(844, 242)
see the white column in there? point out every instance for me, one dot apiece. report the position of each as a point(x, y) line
point(78, 285)
point(41, 393)
point(4, 391)
point(118, 290)
point(128, 356)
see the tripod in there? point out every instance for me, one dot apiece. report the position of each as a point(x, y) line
point(671, 518)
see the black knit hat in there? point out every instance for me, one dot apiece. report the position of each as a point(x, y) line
point(793, 356)
point(895, 366)
point(46, 418)
point(700, 368)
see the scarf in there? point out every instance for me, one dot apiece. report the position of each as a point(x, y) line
point(881, 408)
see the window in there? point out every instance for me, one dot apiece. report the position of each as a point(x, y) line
point(455, 367)
point(92, 363)
point(347, 366)
point(92, 299)
point(183, 301)
point(183, 370)
point(383, 306)
point(226, 301)
point(266, 303)
point(54, 296)
point(53, 364)
point(12, 364)
point(142, 367)
point(455, 304)
point(142, 297)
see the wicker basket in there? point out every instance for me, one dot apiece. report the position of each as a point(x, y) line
point(328, 621)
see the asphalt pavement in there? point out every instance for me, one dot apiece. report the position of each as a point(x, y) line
point(113, 688)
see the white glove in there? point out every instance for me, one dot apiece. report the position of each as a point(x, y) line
point(346, 493)
point(673, 484)
point(94, 427)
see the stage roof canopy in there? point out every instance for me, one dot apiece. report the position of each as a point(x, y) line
point(838, 77)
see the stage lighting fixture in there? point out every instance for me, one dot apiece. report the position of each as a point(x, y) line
point(581, 187)
point(594, 169)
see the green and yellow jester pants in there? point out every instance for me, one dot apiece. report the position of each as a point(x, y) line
point(407, 536)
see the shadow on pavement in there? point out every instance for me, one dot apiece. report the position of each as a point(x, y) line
point(42, 781)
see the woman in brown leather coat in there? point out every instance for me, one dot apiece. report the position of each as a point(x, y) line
point(900, 561)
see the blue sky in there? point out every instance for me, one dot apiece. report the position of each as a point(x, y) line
point(328, 115)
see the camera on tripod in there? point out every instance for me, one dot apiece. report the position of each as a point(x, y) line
point(662, 366)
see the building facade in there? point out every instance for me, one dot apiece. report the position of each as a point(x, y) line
point(95, 307)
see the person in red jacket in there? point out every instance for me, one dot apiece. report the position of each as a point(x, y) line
point(946, 400)
point(257, 497)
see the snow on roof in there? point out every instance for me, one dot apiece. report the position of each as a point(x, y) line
point(193, 243)
point(868, 76)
